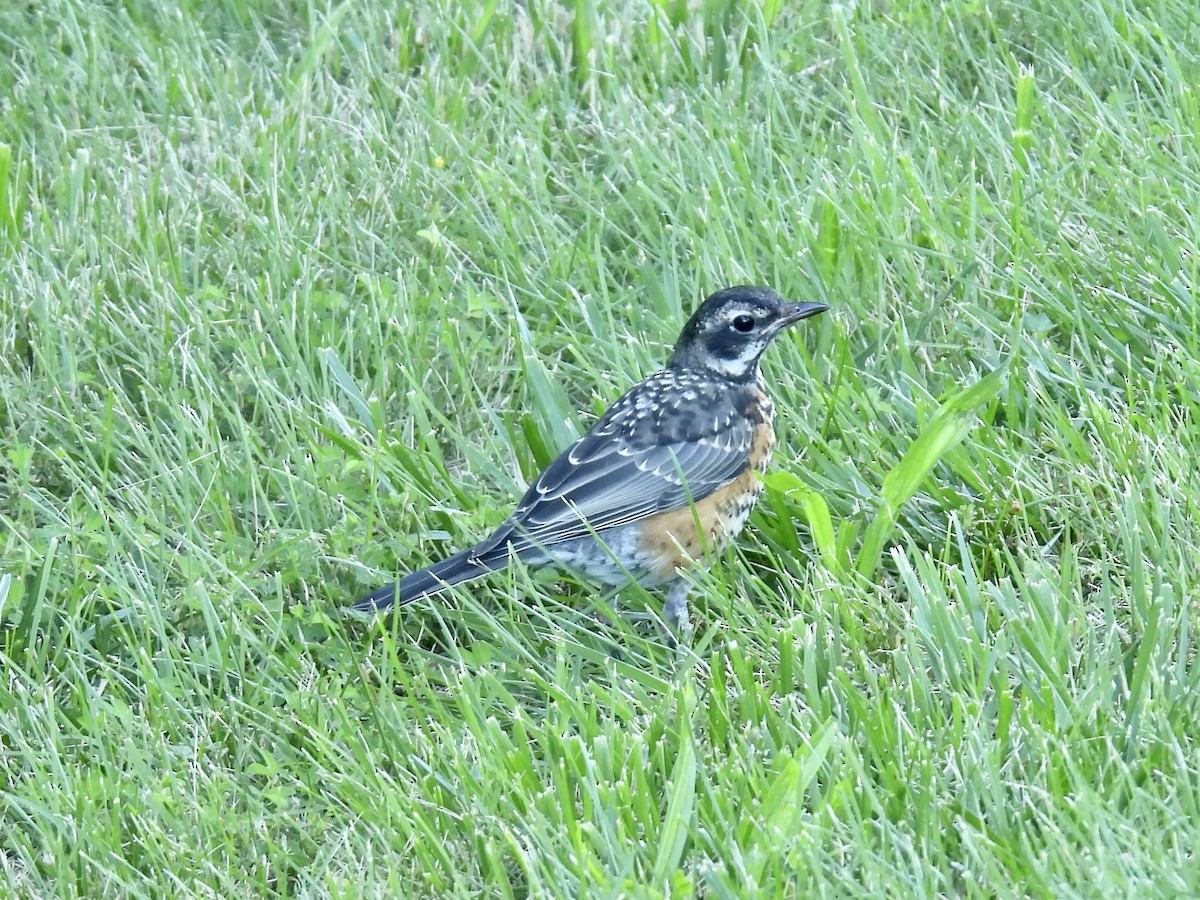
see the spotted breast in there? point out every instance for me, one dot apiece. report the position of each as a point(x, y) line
point(671, 541)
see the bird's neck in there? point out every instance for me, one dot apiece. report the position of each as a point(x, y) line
point(739, 370)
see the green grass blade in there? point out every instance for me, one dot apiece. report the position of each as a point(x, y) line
point(681, 795)
point(952, 422)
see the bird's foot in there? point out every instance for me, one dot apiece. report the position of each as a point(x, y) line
point(675, 613)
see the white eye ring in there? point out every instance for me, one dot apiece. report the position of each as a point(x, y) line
point(743, 324)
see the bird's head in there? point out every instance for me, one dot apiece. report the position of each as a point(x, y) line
point(732, 328)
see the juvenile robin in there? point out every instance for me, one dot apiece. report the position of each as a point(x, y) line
point(669, 472)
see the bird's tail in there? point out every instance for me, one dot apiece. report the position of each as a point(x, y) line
point(454, 570)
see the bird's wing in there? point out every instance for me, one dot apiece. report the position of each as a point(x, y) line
point(607, 479)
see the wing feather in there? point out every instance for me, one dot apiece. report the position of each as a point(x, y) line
point(602, 482)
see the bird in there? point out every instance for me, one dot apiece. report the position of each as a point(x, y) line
point(671, 471)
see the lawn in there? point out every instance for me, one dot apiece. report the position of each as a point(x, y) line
point(295, 297)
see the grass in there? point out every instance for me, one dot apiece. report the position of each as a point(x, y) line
point(294, 297)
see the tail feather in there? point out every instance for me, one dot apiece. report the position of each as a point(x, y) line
point(454, 570)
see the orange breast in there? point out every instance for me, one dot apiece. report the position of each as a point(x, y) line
point(677, 538)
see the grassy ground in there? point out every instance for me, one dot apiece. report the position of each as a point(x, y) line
point(298, 296)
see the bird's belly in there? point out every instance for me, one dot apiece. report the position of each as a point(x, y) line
point(612, 557)
point(672, 541)
point(675, 539)
point(652, 551)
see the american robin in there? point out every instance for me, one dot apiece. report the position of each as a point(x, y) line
point(670, 471)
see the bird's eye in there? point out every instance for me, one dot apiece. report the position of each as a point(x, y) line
point(743, 323)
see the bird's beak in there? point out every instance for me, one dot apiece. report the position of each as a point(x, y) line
point(798, 311)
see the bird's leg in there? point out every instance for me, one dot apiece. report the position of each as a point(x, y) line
point(675, 610)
